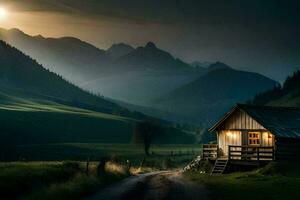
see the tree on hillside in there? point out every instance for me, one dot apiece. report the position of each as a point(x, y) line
point(145, 132)
point(292, 83)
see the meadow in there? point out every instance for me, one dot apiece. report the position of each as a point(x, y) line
point(56, 178)
point(274, 181)
point(162, 156)
point(33, 119)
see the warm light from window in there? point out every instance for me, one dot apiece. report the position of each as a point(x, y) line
point(267, 135)
point(231, 135)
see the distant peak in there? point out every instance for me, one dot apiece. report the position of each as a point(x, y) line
point(121, 45)
point(39, 36)
point(150, 45)
point(15, 30)
point(218, 65)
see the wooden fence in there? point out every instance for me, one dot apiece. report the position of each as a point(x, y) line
point(210, 151)
point(250, 153)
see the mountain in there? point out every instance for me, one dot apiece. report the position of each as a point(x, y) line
point(150, 57)
point(143, 75)
point(287, 94)
point(146, 72)
point(20, 72)
point(67, 56)
point(209, 96)
point(119, 50)
point(218, 65)
point(200, 64)
point(38, 106)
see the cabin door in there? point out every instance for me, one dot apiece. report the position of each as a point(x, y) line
point(244, 138)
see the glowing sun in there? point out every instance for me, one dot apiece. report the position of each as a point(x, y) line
point(3, 13)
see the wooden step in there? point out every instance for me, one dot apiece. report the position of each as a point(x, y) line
point(221, 161)
point(218, 163)
point(219, 167)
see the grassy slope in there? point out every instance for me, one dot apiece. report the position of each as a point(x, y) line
point(289, 100)
point(276, 181)
point(29, 119)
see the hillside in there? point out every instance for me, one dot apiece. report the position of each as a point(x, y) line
point(34, 101)
point(38, 106)
point(213, 93)
point(28, 118)
point(60, 55)
point(20, 72)
point(286, 95)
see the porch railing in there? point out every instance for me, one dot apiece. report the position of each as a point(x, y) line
point(250, 153)
point(210, 151)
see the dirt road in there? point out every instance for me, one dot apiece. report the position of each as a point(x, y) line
point(162, 185)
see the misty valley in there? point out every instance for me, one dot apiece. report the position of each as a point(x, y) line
point(113, 100)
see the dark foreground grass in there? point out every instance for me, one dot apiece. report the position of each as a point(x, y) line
point(275, 181)
point(54, 180)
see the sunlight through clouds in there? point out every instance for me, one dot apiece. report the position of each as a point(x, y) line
point(3, 13)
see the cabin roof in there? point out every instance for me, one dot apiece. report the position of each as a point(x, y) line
point(281, 121)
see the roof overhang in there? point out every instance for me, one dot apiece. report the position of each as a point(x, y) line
point(226, 116)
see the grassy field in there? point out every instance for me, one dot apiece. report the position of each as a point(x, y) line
point(275, 181)
point(163, 156)
point(51, 180)
point(55, 180)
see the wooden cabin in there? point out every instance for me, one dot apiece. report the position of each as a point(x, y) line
point(253, 134)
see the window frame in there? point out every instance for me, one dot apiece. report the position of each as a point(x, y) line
point(254, 138)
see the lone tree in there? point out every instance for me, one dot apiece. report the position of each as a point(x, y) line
point(145, 132)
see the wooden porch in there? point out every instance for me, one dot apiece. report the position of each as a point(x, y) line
point(246, 154)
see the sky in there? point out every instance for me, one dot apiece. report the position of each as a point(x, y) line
point(253, 35)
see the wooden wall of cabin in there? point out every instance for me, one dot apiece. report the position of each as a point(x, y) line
point(241, 121)
point(235, 131)
point(226, 138)
point(287, 149)
point(240, 138)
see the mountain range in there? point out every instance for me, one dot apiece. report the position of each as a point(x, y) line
point(148, 77)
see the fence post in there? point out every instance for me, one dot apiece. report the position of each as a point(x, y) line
point(229, 153)
point(87, 165)
point(257, 153)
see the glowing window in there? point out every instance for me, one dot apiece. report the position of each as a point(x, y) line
point(253, 138)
